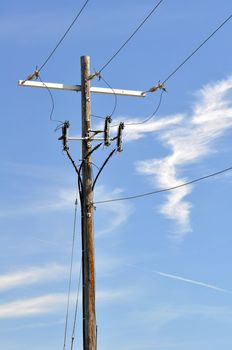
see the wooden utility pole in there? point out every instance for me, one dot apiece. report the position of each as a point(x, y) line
point(88, 273)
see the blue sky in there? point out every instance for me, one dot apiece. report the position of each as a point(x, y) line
point(163, 274)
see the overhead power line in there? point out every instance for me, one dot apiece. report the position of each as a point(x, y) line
point(162, 87)
point(63, 36)
point(36, 73)
point(52, 101)
point(130, 37)
point(198, 48)
point(153, 114)
point(165, 189)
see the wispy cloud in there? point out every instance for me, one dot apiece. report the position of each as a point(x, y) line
point(105, 265)
point(33, 306)
point(110, 217)
point(53, 303)
point(52, 201)
point(136, 132)
point(113, 215)
point(32, 275)
point(189, 142)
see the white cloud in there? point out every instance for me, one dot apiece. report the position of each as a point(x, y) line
point(32, 275)
point(136, 132)
point(189, 142)
point(33, 306)
point(105, 265)
point(53, 303)
point(55, 200)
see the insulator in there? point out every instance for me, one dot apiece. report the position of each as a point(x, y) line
point(64, 136)
point(119, 137)
point(108, 120)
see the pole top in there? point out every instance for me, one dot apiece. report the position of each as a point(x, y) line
point(85, 57)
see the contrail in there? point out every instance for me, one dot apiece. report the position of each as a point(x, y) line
point(183, 279)
point(187, 280)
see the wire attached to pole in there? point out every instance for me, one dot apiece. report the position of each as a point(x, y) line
point(130, 37)
point(102, 167)
point(220, 172)
point(63, 36)
point(198, 48)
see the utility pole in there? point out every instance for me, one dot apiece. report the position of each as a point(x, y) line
point(87, 228)
point(88, 271)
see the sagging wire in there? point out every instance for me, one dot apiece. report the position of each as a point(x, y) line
point(159, 86)
point(115, 96)
point(220, 172)
point(152, 115)
point(52, 100)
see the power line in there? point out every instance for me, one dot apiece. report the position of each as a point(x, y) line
point(115, 100)
point(52, 101)
point(198, 48)
point(102, 167)
point(178, 67)
point(131, 36)
point(64, 35)
point(166, 189)
point(115, 96)
point(152, 115)
point(146, 119)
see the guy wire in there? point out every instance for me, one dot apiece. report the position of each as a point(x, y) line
point(70, 273)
